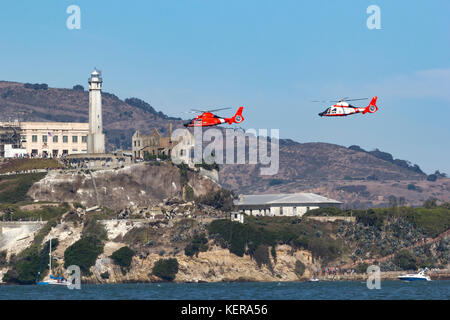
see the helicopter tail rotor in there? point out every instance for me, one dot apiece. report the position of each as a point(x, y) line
point(372, 107)
point(238, 118)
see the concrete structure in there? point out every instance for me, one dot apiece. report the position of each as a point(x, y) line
point(11, 152)
point(54, 139)
point(237, 217)
point(295, 204)
point(96, 138)
point(96, 161)
point(9, 135)
point(155, 144)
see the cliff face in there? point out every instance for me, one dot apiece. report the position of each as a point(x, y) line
point(139, 184)
point(214, 265)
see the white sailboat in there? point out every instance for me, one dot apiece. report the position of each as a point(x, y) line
point(52, 280)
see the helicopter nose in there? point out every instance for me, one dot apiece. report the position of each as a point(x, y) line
point(320, 114)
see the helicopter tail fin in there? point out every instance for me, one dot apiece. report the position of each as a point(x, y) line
point(238, 118)
point(372, 107)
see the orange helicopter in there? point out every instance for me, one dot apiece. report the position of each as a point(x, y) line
point(208, 119)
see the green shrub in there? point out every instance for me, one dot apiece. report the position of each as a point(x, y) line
point(83, 253)
point(183, 173)
point(325, 249)
point(198, 244)
point(207, 166)
point(261, 256)
point(299, 268)
point(189, 193)
point(123, 258)
point(25, 269)
point(370, 218)
point(3, 261)
point(362, 267)
point(405, 260)
point(166, 269)
point(221, 200)
point(273, 251)
point(275, 182)
point(92, 228)
point(25, 266)
point(78, 205)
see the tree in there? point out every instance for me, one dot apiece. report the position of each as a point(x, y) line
point(299, 268)
point(405, 260)
point(198, 244)
point(83, 253)
point(430, 203)
point(78, 87)
point(123, 258)
point(392, 201)
point(166, 269)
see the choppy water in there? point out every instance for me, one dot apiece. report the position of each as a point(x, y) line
point(231, 291)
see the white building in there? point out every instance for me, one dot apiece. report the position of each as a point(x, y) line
point(53, 139)
point(11, 152)
point(96, 137)
point(293, 204)
point(237, 217)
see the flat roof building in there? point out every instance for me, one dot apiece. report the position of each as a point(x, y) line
point(291, 204)
point(54, 139)
point(46, 139)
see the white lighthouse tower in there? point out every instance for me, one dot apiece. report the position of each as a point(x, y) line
point(96, 138)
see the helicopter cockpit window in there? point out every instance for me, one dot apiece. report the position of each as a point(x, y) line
point(333, 110)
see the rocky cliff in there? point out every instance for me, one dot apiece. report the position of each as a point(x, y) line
point(215, 265)
point(139, 184)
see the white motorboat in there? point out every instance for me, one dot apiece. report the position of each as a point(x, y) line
point(419, 276)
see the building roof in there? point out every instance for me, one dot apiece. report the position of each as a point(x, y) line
point(283, 198)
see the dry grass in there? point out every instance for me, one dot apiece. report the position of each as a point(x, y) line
point(14, 165)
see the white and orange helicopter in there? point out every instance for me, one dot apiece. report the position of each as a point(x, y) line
point(343, 108)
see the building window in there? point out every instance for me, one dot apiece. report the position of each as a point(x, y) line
point(281, 211)
point(55, 153)
point(74, 139)
point(294, 211)
point(34, 152)
point(84, 139)
point(65, 139)
point(34, 138)
point(65, 152)
point(74, 150)
point(55, 139)
point(44, 139)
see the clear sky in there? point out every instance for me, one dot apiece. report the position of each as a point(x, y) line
point(273, 57)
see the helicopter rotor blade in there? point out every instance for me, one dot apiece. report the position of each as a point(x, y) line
point(213, 110)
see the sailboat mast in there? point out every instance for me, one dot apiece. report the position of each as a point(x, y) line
point(50, 258)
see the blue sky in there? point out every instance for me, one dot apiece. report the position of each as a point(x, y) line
point(273, 57)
